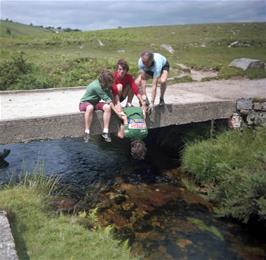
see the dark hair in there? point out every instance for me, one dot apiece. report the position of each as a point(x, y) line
point(106, 78)
point(138, 149)
point(147, 55)
point(123, 64)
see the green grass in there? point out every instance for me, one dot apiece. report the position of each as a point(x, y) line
point(54, 54)
point(233, 166)
point(10, 29)
point(40, 234)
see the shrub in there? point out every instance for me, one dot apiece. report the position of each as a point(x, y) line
point(11, 71)
point(17, 73)
point(234, 164)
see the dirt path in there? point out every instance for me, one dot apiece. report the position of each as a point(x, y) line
point(36, 103)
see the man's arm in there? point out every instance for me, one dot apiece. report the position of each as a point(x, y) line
point(143, 105)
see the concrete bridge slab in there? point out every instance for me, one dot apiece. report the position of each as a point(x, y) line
point(53, 113)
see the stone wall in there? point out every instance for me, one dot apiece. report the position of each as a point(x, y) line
point(252, 110)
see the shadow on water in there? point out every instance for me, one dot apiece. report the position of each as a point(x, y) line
point(144, 200)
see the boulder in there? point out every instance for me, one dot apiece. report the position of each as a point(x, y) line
point(245, 63)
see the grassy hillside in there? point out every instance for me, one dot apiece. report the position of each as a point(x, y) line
point(74, 58)
point(9, 28)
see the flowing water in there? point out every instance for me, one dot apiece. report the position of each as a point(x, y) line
point(145, 201)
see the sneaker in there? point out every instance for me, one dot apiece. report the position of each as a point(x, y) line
point(106, 137)
point(87, 138)
point(162, 103)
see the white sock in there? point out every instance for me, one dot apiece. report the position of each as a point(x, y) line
point(87, 131)
point(105, 130)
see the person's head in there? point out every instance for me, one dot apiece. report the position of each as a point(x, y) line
point(147, 58)
point(122, 68)
point(106, 79)
point(138, 149)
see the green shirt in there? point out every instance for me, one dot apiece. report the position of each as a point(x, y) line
point(94, 93)
point(136, 128)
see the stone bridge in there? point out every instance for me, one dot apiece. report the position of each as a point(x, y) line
point(53, 113)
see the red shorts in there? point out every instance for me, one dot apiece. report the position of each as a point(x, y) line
point(98, 106)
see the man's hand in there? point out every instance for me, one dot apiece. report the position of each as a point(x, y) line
point(144, 111)
point(151, 108)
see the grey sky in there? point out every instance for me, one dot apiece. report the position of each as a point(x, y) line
point(101, 14)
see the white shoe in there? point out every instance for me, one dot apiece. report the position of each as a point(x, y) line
point(106, 137)
point(87, 138)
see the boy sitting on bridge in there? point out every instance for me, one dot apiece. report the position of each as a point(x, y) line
point(97, 90)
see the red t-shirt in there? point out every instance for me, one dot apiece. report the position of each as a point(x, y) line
point(127, 80)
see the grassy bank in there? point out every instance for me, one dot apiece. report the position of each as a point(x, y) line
point(40, 234)
point(233, 169)
point(74, 58)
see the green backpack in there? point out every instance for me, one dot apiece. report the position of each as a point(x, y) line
point(136, 128)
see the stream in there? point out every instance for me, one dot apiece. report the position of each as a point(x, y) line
point(146, 201)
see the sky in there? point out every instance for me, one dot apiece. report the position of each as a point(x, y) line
point(104, 14)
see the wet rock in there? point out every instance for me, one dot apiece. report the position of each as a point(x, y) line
point(113, 216)
point(128, 206)
point(142, 225)
point(183, 243)
point(152, 235)
point(126, 233)
point(104, 205)
point(147, 198)
point(118, 198)
point(160, 254)
point(180, 225)
point(138, 249)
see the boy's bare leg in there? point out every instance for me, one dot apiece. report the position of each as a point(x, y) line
point(106, 116)
point(88, 116)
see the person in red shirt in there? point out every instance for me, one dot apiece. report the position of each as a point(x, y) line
point(124, 86)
